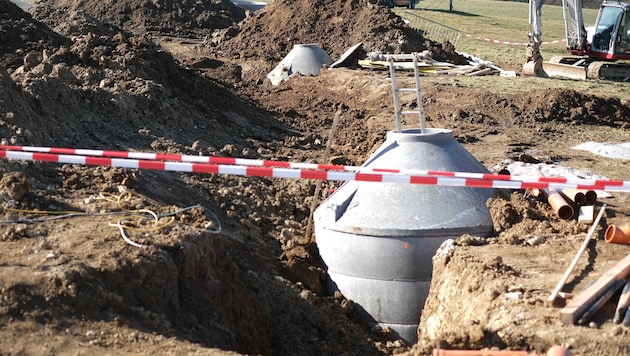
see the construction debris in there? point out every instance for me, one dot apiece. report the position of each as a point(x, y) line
point(621, 312)
point(424, 60)
point(426, 64)
point(592, 298)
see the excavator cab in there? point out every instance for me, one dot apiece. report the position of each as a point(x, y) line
point(623, 35)
point(611, 36)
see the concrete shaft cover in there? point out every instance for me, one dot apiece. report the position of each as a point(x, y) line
point(306, 59)
point(377, 239)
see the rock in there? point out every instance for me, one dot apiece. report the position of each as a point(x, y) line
point(31, 60)
point(13, 186)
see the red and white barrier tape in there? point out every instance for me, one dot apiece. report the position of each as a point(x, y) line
point(387, 176)
point(174, 157)
point(511, 43)
point(285, 164)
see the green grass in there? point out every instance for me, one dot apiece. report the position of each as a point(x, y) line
point(508, 21)
point(498, 20)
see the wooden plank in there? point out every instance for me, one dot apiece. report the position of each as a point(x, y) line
point(345, 55)
point(480, 72)
point(574, 310)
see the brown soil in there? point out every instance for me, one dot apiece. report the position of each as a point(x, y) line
point(227, 267)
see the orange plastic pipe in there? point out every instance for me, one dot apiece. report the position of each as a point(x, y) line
point(591, 197)
point(556, 350)
point(558, 204)
point(580, 196)
point(575, 195)
point(440, 352)
point(617, 234)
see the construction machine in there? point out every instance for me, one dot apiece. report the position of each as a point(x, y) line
point(598, 52)
point(410, 4)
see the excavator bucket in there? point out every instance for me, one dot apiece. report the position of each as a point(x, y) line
point(533, 68)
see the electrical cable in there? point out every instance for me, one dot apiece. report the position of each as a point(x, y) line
point(121, 223)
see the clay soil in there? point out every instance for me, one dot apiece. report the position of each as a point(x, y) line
point(102, 260)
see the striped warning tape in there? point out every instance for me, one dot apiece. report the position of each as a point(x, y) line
point(509, 42)
point(174, 157)
point(453, 179)
point(282, 164)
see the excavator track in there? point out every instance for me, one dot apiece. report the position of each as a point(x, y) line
point(617, 71)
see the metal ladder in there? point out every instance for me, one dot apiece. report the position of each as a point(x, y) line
point(396, 90)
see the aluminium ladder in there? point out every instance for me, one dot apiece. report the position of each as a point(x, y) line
point(396, 90)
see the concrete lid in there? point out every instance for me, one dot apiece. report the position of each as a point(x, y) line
point(404, 210)
point(306, 59)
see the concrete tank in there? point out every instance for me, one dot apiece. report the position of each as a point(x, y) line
point(377, 239)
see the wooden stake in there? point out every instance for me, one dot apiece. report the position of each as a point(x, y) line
point(566, 275)
point(318, 185)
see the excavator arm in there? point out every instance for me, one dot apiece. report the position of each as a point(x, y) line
point(575, 31)
point(533, 64)
point(535, 20)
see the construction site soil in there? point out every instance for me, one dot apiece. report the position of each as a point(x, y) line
point(103, 260)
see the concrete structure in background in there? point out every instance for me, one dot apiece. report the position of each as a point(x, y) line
point(249, 5)
point(24, 4)
point(306, 59)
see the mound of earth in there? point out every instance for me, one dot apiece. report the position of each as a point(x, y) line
point(336, 25)
point(118, 260)
point(21, 35)
point(186, 18)
point(510, 282)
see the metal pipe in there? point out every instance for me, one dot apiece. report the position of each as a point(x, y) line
point(318, 185)
point(392, 74)
point(608, 293)
point(418, 94)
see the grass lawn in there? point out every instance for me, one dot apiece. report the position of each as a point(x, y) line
point(505, 21)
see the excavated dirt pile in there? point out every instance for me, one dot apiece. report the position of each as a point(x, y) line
point(103, 260)
point(335, 25)
point(194, 19)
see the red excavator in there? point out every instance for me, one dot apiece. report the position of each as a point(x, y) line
point(598, 52)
